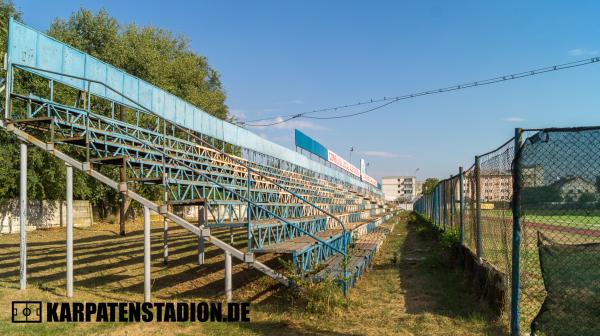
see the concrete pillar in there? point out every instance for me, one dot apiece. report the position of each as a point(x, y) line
point(228, 276)
point(69, 231)
point(23, 217)
point(201, 223)
point(147, 274)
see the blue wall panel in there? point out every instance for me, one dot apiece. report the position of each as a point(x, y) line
point(73, 64)
point(28, 47)
point(130, 88)
point(305, 142)
point(114, 78)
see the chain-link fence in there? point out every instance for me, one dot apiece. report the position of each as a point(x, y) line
point(559, 180)
point(546, 188)
point(495, 179)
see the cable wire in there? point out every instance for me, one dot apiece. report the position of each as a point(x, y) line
point(391, 100)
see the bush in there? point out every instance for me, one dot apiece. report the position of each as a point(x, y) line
point(450, 239)
point(322, 297)
point(314, 297)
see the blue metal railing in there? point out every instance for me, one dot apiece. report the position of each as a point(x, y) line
point(247, 199)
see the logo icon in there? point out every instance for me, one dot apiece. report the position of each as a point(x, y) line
point(27, 311)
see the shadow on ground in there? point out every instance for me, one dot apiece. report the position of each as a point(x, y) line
point(106, 261)
point(268, 328)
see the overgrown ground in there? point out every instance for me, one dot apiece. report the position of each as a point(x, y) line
point(410, 289)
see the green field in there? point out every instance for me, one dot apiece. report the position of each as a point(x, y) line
point(572, 218)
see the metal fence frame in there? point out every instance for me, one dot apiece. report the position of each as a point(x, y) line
point(439, 206)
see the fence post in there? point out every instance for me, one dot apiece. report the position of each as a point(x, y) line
point(437, 205)
point(461, 215)
point(440, 204)
point(478, 207)
point(433, 213)
point(516, 238)
point(429, 205)
point(444, 205)
point(451, 202)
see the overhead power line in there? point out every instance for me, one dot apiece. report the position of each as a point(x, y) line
point(390, 100)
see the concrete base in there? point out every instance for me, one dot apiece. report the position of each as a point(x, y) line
point(43, 215)
point(491, 283)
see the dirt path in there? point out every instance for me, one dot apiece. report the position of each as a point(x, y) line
point(410, 290)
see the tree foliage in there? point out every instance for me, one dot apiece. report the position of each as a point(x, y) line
point(429, 184)
point(535, 196)
point(153, 54)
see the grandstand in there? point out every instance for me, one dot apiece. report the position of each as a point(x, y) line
point(91, 115)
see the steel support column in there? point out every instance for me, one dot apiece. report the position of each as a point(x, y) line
point(147, 273)
point(248, 205)
point(69, 230)
point(122, 200)
point(122, 179)
point(201, 223)
point(228, 276)
point(165, 241)
point(165, 232)
point(23, 217)
point(165, 198)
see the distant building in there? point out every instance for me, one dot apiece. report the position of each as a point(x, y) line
point(395, 187)
point(532, 176)
point(572, 187)
point(419, 188)
point(496, 186)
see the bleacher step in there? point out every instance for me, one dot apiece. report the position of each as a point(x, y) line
point(359, 258)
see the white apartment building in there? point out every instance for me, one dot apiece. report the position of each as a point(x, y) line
point(399, 186)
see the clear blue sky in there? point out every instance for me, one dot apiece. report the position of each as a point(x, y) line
point(280, 57)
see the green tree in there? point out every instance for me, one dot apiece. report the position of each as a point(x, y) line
point(153, 54)
point(429, 184)
point(9, 151)
point(45, 176)
point(537, 196)
point(7, 9)
point(587, 197)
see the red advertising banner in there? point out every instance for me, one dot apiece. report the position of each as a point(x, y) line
point(369, 180)
point(345, 165)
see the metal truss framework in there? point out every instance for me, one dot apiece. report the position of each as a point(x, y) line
point(274, 201)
